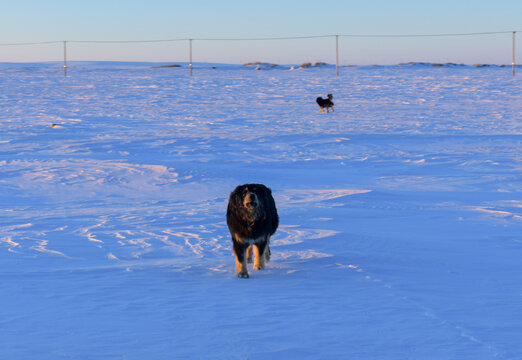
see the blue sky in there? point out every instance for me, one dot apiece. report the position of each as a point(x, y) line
point(56, 20)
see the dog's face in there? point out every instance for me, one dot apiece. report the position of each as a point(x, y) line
point(251, 201)
point(252, 196)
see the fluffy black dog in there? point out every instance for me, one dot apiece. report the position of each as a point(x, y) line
point(252, 219)
point(325, 103)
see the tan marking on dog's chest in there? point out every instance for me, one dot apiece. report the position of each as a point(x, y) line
point(248, 241)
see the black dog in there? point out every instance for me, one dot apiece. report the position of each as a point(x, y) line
point(252, 219)
point(325, 103)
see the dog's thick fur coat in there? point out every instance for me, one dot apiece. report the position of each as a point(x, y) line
point(325, 103)
point(252, 219)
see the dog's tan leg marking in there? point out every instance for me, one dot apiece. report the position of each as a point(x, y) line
point(259, 260)
point(249, 254)
point(241, 266)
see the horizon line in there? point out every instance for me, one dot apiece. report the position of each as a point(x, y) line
point(318, 64)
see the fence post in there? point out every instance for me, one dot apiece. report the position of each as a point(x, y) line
point(513, 59)
point(65, 58)
point(336, 55)
point(190, 56)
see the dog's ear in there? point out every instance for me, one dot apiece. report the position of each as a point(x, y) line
point(260, 190)
point(270, 197)
point(272, 209)
point(235, 197)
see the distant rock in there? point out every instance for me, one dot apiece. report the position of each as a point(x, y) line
point(308, 65)
point(413, 63)
point(166, 66)
point(261, 65)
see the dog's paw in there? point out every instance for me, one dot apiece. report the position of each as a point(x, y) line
point(259, 267)
point(243, 275)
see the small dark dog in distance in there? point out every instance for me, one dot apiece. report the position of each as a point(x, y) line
point(252, 219)
point(325, 103)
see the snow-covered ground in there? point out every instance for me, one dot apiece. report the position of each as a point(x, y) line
point(401, 212)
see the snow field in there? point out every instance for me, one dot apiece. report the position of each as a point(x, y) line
point(400, 213)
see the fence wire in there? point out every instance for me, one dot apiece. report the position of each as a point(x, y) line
point(336, 36)
point(266, 38)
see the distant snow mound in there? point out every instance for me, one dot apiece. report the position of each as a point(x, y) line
point(413, 63)
point(449, 64)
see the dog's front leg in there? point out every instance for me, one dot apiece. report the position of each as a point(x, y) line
point(267, 250)
point(259, 253)
point(241, 263)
